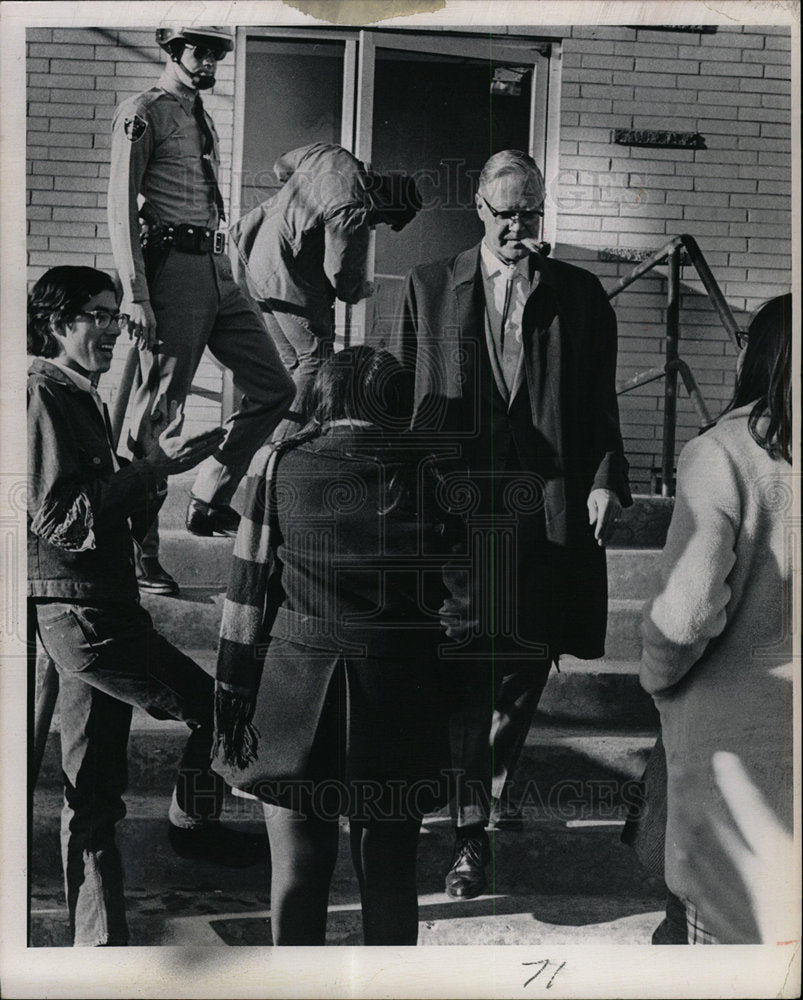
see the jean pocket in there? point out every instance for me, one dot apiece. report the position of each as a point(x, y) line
point(65, 640)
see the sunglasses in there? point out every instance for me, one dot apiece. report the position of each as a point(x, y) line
point(522, 214)
point(202, 52)
point(741, 339)
point(103, 319)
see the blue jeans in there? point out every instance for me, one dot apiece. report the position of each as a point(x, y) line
point(303, 343)
point(110, 658)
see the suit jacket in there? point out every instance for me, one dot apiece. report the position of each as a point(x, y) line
point(566, 398)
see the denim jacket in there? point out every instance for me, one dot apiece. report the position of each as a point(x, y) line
point(80, 544)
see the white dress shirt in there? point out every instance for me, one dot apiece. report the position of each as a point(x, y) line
point(507, 288)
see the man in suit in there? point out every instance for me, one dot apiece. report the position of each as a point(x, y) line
point(515, 357)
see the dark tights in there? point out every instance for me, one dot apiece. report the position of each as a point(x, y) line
point(383, 855)
point(303, 853)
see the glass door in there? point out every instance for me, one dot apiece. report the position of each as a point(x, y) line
point(435, 105)
point(440, 108)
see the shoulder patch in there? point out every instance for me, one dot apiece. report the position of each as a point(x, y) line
point(135, 126)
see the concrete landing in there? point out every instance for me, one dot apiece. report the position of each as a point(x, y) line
point(555, 881)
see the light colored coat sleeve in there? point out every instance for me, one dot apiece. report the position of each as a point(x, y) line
point(347, 240)
point(691, 607)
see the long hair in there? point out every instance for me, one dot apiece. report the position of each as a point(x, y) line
point(764, 378)
point(361, 383)
point(58, 296)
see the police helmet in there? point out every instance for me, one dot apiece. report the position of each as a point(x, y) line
point(218, 39)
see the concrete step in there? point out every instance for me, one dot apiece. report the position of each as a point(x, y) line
point(195, 561)
point(559, 748)
point(642, 526)
point(206, 562)
point(633, 574)
point(605, 691)
point(192, 620)
point(623, 636)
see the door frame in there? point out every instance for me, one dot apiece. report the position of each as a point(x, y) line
point(359, 67)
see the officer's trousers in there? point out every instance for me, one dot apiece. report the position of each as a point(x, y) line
point(197, 305)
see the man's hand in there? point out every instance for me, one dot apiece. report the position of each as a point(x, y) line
point(456, 611)
point(603, 513)
point(171, 455)
point(141, 323)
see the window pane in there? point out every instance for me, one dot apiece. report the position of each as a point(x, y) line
point(293, 96)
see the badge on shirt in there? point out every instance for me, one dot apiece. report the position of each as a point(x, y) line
point(135, 127)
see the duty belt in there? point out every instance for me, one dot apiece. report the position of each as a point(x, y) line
point(183, 236)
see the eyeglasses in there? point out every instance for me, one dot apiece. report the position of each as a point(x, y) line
point(202, 52)
point(103, 319)
point(523, 214)
point(741, 339)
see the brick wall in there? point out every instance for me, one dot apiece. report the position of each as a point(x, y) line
point(76, 79)
point(732, 87)
point(733, 196)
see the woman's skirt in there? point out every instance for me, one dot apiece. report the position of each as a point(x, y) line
point(363, 737)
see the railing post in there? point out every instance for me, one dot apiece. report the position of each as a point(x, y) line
point(129, 380)
point(671, 381)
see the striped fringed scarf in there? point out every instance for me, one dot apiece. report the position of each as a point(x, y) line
point(248, 613)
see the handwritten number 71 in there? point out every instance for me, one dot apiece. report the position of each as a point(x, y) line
point(544, 965)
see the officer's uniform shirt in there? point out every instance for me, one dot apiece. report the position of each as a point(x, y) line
point(156, 153)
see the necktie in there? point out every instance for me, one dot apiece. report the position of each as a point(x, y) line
point(206, 158)
point(506, 308)
point(510, 326)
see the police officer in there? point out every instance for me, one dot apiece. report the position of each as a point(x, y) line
point(165, 210)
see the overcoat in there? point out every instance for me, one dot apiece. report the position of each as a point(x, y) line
point(569, 366)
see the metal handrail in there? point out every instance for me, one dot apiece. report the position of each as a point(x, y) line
point(671, 254)
point(696, 257)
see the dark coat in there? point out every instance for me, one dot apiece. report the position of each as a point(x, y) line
point(569, 408)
